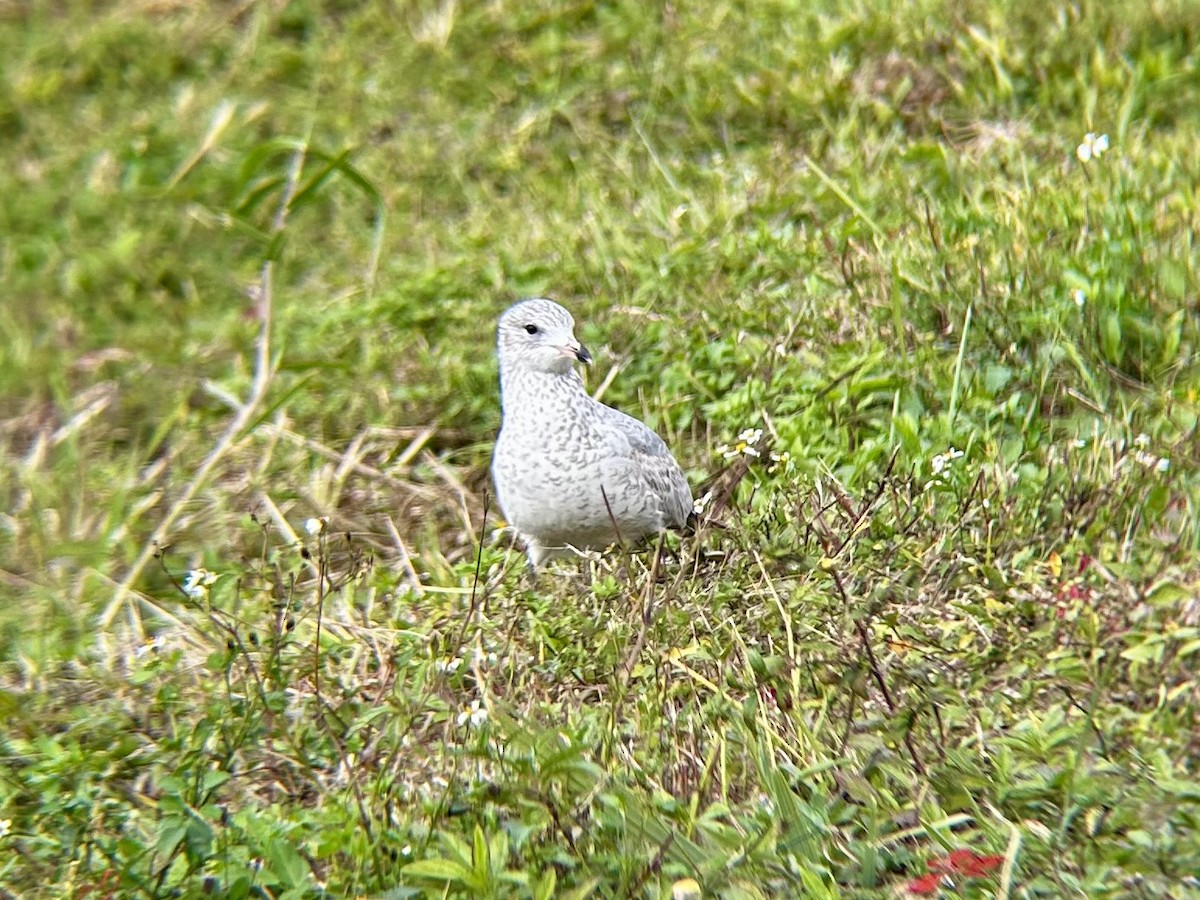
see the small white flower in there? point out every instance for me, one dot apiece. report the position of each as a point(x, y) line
point(686, 889)
point(745, 445)
point(1142, 441)
point(1093, 147)
point(476, 714)
point(406, 850)
point(449, 667)
point(197, 582)
point(5, 826)
point(751, 436)
point(701, 503)
point(151, 646)
point(1147, 459)
point(1079, 443)
point(1079, 296)
point(1162, 465)
point(939, 463)
point(941, 460)
point(316, 526)
point(481, 657)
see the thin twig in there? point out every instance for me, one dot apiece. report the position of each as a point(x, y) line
point(612, 518)
point(414, 581)
point(647, 617)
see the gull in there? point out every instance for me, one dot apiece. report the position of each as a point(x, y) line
point(571, 473)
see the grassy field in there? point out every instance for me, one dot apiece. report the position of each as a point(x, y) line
point(925, 340)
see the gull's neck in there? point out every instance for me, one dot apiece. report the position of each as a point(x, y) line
point(545, 388)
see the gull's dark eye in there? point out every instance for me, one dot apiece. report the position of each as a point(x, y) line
point(531, 329)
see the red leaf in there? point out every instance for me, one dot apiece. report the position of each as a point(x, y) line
point(981, 865)
point(960, 859)
point(926, 884)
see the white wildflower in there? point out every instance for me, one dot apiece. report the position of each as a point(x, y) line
point(481, 657)
point(1162, 465)
point(316, 526)
point(939, 463)
point(686, 889)
point(941, 460)
point(1079, 296)
point(1146, 458)
point(448, 667)
point(1093, 147)
point(701, 503)
point(151, 646)
point(197, 582)
point(5, 827)
point(751, 436)
point(476, 714)
point(1142, 441)
point(746, 445)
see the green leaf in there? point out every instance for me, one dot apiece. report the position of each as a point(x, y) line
point(170, 834)
point(543, 887)
point(996, 377)
point(440, 870)
point(287, 864)
point(1110, 336)
point(498, 851)
point(1150, 651)
point(480, 856)
point(582, 892)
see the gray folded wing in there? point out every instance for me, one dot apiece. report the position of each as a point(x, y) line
point(659, 471)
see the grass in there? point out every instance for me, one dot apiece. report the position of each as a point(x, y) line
point(939, 375)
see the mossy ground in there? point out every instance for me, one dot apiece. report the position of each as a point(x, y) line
point(252, 256)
